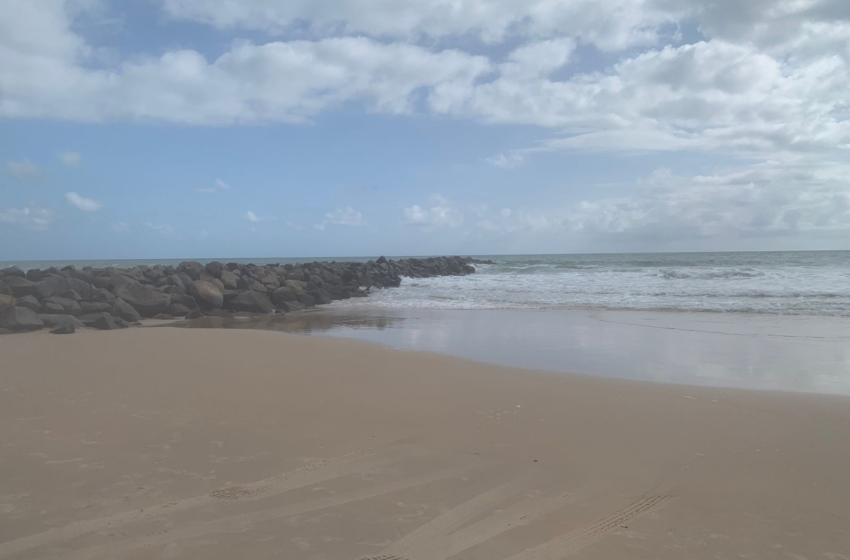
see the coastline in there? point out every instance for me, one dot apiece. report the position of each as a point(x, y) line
point(762, 352)
point(162, 442)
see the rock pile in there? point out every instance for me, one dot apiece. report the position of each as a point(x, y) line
point(113, 298)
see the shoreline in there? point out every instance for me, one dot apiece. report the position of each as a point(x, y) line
point(203, 443)
point(791, 354)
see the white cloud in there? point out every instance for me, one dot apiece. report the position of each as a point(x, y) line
point(510, 160)
point(121, 227)
point(440, 213)
point(345, 217)
point(251, 217)
point(31, 218)
point(161, 228)
point(219, 185)
point(609, 24)
point(23, 169)
point(320, 227)
point(287, 82)
point(84, 204)
point(71, 159)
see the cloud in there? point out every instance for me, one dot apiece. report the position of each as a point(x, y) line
point(219, 185)
point(510, 160)
point(84, 204)
point(121, 227)
point(31, 218)
point(440, 213)
point(345, 217)
point(71, 159)
point(23, 169)
point(608, 24)
point(161, 228)
point(253, 218)
point(281, 81)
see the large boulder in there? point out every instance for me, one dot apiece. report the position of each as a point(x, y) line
point(296, 286)
point(283, 294)
point(185, 299)
point(12, 271)
point(68, 305)
point(144, 299)
point(20, 319)
point(206, 294)
point(124, 310)
point(214, 268)
point(229, 280)
point(52, 320)
point(178, 310)
point(7, 301)
point(61, 286)
point(29, 302)
point(94, 306)
point(63, 329)
point(20, 286)
point(102, 321)
point(252, 302)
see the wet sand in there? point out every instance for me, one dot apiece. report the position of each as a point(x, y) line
point(771, 352)
point(190, 443)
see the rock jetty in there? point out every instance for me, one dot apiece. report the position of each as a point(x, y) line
point(112, 298)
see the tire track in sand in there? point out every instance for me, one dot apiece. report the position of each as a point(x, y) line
point(575, 541)
point(304, 476)
point(447, 522)
point(244, 521)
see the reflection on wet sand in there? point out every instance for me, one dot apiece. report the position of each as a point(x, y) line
point(794, 353)
point(305, 322)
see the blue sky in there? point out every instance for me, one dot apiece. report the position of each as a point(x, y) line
point(182, 128)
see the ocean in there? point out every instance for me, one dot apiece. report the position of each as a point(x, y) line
point(789, 283)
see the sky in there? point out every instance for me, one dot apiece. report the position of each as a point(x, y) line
point(263, 128)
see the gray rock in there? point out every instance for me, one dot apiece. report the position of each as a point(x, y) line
point(252, 302)
point(63, 329)
point(12, 271)
point(20, 286)
point(306, 300)
point(6, 331)
point(185, 299)
point(214, 268)
point(69, 306)
point(102, 321)
point(124, 310)
point(195, 314)
point(4, 289)
point(144, 299)
point(61, 286)
point(290, 306)
point(321, 296)
point(177, 310)
point(52, 320)
point(206, 294)
point(35, 274)
point(283, 294)
point(94, 306)
point(50, 307)
point(102, 294)
point(7, 301)
point(30, 303)
point(229, 280)
point(296, 286)
point(20, 319)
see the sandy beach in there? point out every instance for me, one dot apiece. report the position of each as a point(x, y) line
point(193, 443)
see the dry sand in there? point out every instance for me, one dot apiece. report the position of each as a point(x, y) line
point(173, 443)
